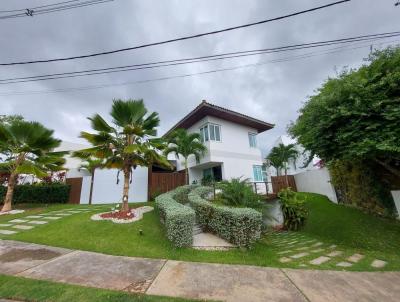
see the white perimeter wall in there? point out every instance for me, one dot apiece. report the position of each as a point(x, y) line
point(396, 198)
point(316, 181)
point(106, 190)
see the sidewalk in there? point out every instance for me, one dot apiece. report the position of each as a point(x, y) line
point(194, 280)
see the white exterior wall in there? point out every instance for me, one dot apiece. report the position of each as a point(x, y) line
point(233, 152)
point(316, 181)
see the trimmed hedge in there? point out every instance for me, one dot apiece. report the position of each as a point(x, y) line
point(178, 219)
point(239, 226)
point(39, 193)
point(180, 194)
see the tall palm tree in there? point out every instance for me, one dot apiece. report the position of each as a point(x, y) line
point(90, 164)
point(182, 143)
point(129, 143)
point(281, 155)
point(27, 147)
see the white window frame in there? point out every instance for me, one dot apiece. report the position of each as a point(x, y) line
point(250, 136)
point(205, 132)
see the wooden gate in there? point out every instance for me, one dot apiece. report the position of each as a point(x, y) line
point(161, 182)
point(279, 183)
point(76, 188)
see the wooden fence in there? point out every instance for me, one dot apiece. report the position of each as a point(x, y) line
point(161, 182)
point(280, 182)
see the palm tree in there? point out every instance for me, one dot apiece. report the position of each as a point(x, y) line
point(129, 143)
point(27, 147)
point(90, 164)
point(182, 143)
point(281, 155)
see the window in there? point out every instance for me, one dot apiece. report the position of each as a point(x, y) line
point(253, 140)
point(258, 174)
point(210, 132)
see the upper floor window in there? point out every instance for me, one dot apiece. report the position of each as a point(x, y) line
point(253, 140)
point(210, 132)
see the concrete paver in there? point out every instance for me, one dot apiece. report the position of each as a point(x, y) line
point(97, 270)
point(7, 232)
point(224, 283)
point(16, 257)
point(22, 227)
point(355, 258)
point(334, 286)
point(38, 222)
point(378, 263)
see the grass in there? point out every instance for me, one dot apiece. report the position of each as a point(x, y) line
point(45, 291)
point(351, 230)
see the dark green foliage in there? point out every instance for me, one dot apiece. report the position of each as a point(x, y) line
point(39, 193)
point(239, 226)
point(294, 210)
point(180, 194)
point(238, 193)
point(355, 117)
point(358, 184)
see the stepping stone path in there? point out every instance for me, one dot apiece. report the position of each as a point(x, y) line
point(285, 260)
point(378, 263)
point(344, 264)
point(319, 260)
point(335, 254)
point(355, 258)
point(29, 222)
point(299, 255)
point(23, 227)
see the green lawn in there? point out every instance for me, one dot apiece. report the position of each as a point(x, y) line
point(45, 291)
point(351, 230)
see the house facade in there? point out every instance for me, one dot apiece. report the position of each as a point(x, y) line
point(231, 141)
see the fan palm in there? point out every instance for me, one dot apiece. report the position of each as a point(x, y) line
point(182, 143)
point(90, 164)
point(27, 147)
point(281, 155)
point(129, 143)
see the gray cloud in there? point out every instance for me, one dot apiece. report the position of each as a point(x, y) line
point(272, 92)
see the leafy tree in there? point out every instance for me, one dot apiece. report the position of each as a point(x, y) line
point(281, 155)
point(129, 143)
point(90, 164)
point(182, 143)
point(356, 115)
point(9, 119)
point(28, 148)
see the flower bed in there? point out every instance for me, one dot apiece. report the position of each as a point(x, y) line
point(123, 216)
point(239, 226)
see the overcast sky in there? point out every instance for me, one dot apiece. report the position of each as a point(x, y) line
point(271, 92)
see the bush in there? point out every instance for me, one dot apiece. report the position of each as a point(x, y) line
point(293, 208)
point(178, 219)
point(39, 193)
point(180, 194)
point(237, 192)
point(240, 226)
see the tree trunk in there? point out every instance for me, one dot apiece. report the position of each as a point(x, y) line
point(125, 205)
point(286, 178)
point(91, 188)
point(186, 172)
point(10, 193)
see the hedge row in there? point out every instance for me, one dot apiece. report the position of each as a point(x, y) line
point(178, 219)
point(239, 226)
point(38, 193)
point(180, 194)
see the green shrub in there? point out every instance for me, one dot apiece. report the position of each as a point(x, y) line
point(180, 194)
point(39, 193)
point(294, 210)
point(238, 192)
point(178, 219)
point(240, 226)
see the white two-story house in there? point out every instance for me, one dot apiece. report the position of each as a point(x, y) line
point(231, 141)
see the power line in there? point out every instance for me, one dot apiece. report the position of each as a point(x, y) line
point(178, 39)
point(42, 6)
point(101, 86)
point(214, 57)
point(30, 12)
